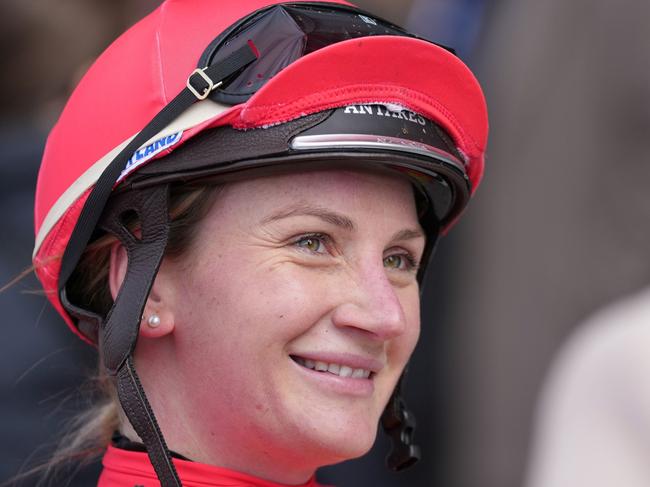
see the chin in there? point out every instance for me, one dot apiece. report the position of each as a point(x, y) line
point(344, 443)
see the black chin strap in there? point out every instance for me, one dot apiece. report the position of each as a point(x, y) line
point(119, 332)
point(138, 410)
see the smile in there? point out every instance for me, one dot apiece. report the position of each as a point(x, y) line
point(333, 368)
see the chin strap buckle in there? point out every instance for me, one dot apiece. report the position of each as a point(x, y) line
point(399, 424)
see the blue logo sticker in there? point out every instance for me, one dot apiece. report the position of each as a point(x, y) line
point(143, 154)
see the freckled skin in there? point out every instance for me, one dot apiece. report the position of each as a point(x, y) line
point(250, 293)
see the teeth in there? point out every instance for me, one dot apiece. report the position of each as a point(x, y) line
point(336, 369)
point(345, 371)
point(359, 374)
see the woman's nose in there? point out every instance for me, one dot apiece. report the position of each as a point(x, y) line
point(371, 304)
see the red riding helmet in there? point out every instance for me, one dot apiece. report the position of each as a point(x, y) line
point(204, 88)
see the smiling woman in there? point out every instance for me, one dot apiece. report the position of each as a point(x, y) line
point(284, 272)
point(252, 283)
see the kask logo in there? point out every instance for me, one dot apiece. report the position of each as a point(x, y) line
point(143, 154)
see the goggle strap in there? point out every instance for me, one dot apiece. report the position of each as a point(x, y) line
point(100, 193)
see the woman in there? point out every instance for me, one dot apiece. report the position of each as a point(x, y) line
point(248, 263)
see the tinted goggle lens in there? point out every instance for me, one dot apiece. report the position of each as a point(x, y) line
point(284, 33)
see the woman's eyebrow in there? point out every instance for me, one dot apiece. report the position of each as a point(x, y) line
point(324, 214)
point(408, 234)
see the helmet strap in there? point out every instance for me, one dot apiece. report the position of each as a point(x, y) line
point(118, 333)
point(138, 410)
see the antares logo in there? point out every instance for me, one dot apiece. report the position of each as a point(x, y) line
point(143, 154)
point(382, 110)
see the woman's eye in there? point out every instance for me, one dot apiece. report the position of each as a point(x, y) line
point(393, 261)
point(400, 262)
point(311, 243)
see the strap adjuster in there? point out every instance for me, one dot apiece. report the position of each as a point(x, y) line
point(207, 89)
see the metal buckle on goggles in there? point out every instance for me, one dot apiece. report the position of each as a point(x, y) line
point(285, 32)
point(210, 85)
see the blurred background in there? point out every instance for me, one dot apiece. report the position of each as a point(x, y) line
point(557, 229)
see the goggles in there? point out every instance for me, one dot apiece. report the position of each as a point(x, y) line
point(283, 33)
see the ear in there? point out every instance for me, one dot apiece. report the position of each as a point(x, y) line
point(117, 270)
point(157, 302)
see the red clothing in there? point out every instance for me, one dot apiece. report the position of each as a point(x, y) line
point(124, 468)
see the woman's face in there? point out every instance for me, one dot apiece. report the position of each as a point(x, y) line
point(288, 276)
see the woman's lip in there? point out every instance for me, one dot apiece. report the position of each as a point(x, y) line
point(353, 361)
point(348, 386)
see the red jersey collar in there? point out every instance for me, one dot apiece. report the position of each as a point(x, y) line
point(124, 468)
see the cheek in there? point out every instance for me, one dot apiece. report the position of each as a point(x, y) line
point(250, 301)
point(401, 348)
point(412, 310)
point(405, 343)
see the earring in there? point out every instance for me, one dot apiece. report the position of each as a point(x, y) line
point(153, 321)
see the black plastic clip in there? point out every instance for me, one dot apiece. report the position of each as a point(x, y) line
point(399, 424)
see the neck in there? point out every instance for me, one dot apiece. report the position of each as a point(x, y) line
point(265, 467)
point(257, 459)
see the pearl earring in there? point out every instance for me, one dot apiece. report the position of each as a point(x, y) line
point(153, 321)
